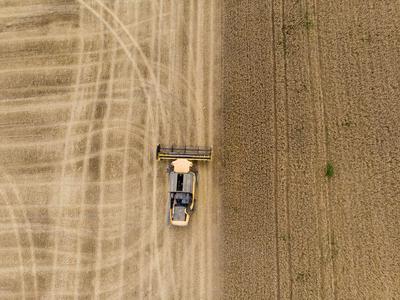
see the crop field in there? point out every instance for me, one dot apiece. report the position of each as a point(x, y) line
point(87, 91)
point(322, 78)
point(299, 99)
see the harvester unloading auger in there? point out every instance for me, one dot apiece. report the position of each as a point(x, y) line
point(182, 180)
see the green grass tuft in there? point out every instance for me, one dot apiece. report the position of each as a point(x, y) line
point(308, 23)
point(329, 170)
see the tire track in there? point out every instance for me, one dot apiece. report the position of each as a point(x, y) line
point(73, 111)
point(142, 55)
point(85, 169)
point(76, 138)
point(318, 209)
point(288, 219)
point(15, 230)
point(102, 162)
point(321, 150)
point(135, 44)
point(202, 227)
point(124, 193)
point(165, 115)
point(326, 148)
point(154, 122)
point(117, 37)
point(276, 199)
point(85, 233)
point(142, 198)
point(171, 83)
point(15, 192)
point(78, 159)
point(187, 263)
point(123, 45)
point(143, 192)
point(213, 267)
point(39, 183)
point(157, 123)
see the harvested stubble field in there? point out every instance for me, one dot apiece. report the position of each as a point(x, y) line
point(306, 83)
point(87, 90)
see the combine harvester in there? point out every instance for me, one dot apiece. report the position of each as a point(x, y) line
point(182, 180)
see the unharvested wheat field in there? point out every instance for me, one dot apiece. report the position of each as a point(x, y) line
point(87, 91)
point(322, 78)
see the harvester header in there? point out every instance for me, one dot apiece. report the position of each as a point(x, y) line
point(190, 153)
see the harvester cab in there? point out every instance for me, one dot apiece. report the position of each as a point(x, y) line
point(182, 178)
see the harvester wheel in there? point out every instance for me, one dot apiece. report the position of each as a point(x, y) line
point(191, 210)
point(168, 215)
